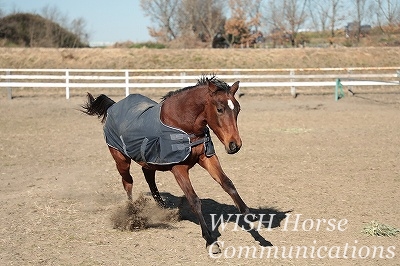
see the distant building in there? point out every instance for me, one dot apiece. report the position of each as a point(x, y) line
point(352, 29)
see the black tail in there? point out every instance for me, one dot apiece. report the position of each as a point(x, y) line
point(97, 106)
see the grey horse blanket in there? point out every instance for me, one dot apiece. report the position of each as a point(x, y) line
point(133, 127)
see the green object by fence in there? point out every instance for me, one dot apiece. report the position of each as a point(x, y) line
point(339, 93)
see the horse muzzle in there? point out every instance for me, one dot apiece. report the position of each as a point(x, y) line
point(233, 147)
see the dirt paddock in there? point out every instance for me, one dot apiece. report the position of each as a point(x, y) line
point(334, 165)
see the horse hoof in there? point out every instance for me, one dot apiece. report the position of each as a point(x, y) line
point(214, 249)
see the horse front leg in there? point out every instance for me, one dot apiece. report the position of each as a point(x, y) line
point(213, 166)
point(150, 176)
point(123, 164)
point(181, 173)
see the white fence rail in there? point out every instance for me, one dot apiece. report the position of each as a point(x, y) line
point(178, 78)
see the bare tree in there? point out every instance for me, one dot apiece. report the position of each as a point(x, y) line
point(295, 15)
point(78, 28)
point(285, 18)
point(243, 26)
point(53, 14)
point(52, 33)
point(57, 22)
point(326, 14)
point(389, 10)
point(201, 19)
point(163, 13)
point(318, 14)
point(360, 14)
point(388, 15)
point(273, 15)
point(273, 19)
point(187, 21)
point(334, 18)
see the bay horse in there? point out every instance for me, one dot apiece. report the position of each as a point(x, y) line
point(186, 114)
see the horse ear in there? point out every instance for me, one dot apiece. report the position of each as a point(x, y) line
point(211, 86)
point(234, 87)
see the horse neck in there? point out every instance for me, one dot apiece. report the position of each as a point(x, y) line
point(185, 110)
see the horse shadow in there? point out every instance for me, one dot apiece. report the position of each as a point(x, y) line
point(216, 213)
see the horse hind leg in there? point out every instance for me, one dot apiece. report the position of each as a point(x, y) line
point(150, 176)
point(123, 164)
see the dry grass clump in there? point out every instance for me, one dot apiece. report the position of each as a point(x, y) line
point(141, 214)
point(375, 228)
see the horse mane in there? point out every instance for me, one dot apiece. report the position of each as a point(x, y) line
point(202, 81)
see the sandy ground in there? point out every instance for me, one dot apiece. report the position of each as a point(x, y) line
point(334, 165)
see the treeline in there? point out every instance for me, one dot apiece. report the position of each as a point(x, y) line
point(32, 30)
point(223, 23)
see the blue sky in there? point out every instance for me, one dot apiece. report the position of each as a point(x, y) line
point(106, 21)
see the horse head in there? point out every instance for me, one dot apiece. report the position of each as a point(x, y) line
point(222, 111)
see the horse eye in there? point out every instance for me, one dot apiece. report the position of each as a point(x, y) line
point(220, 110)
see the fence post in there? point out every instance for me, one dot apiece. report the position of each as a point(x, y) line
point(182, 75)
point(292, 88)
point(126, 83)
point(67, 84)
point(9, 89)
point(238, 92)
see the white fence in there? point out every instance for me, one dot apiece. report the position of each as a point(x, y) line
point(179, 78)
